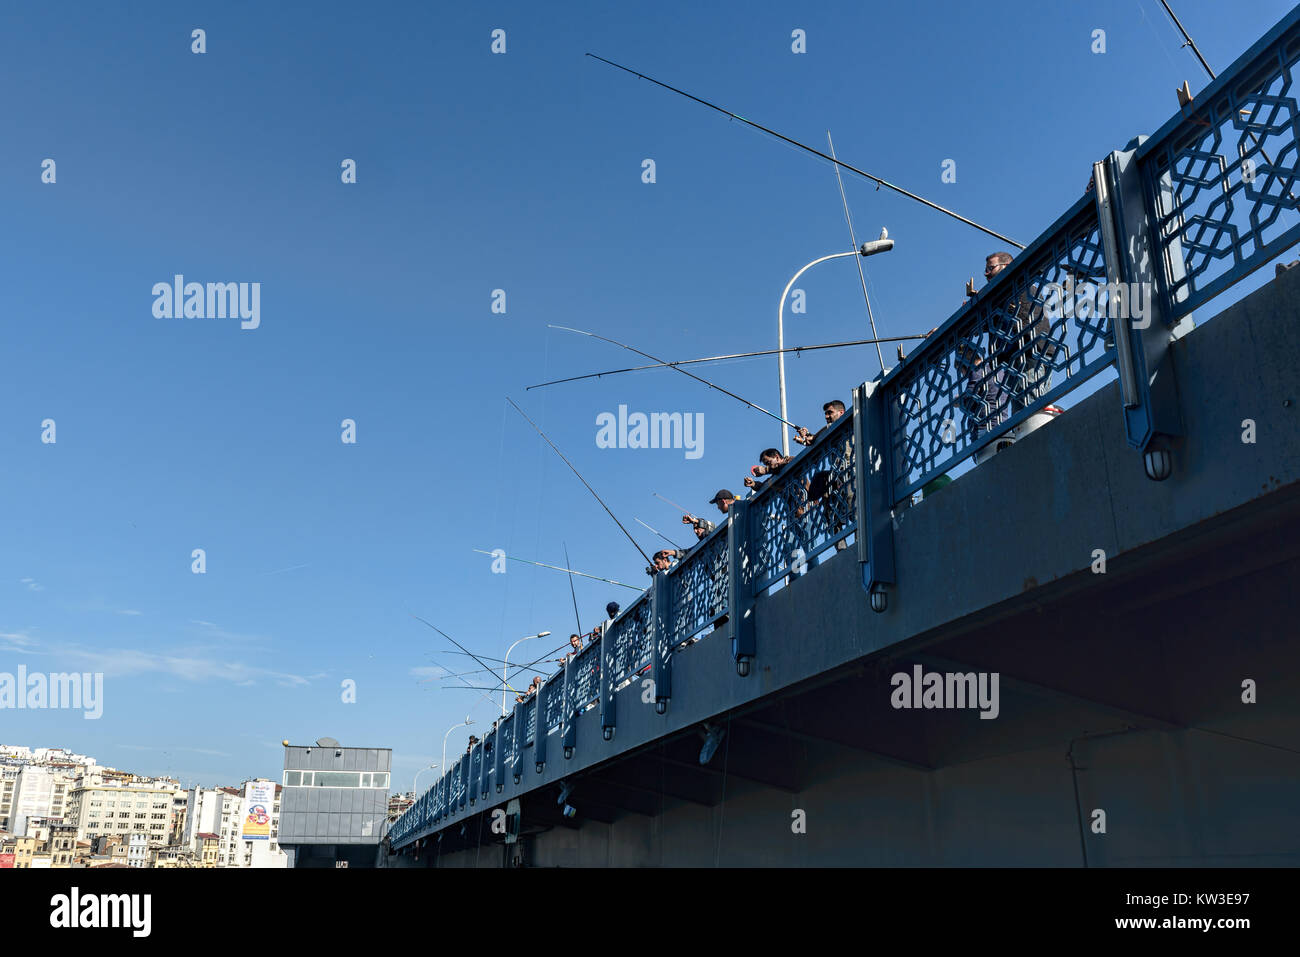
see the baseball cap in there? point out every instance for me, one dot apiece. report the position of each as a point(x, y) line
point(722, 494)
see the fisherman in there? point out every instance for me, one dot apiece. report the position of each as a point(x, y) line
point(723, 499)
point(832, 410)
point(1018, 370)
point(664, 559)
point(612, 610)
point(575, 643)
point(772, 463)
point(984, 400)
point(1029, 350)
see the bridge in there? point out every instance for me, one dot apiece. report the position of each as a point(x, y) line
point(1080, 652)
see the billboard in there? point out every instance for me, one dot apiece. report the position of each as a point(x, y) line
point(259, 799)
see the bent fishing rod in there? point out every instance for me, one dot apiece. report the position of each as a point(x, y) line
point(519, 669)
point(522, 665)
point(816, 152)
point(734, 355)
point(711, 385)
point(572, 591)
point(452, 640)
point(462, 681)
point(579, 474)
point(660, 534)
point(560, 568)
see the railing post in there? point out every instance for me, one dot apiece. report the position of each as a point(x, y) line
point(1148, 388)
point(608, 706)
point(499, 755)
point(463, 781)
point(873, 486)
point(519, 732)
point(740, 590)
point(539, 726)
point(662, 640)
point(568, 728)
point(484, 788)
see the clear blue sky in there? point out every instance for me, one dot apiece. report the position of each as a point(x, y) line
point(475, 172)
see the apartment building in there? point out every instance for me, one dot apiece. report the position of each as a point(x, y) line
point(62, 844)
point(39, 792)
point(132, 808)
point(137, 850)
point(8, 784)
point(22, 848)
point(220, 812)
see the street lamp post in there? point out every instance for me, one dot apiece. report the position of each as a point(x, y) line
point(505, 668)
point(421, 771)
point(464, 724)
point(883, 244)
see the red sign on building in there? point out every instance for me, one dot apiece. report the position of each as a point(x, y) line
point(6, 860)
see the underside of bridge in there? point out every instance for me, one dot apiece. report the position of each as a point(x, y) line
point(1147, 716)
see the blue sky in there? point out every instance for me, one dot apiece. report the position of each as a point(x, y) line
point(475, 172)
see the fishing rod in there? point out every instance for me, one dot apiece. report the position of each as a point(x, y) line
point(660, 534)
point(518, 666)
point(462, 680)
point(1189, 42)
point(477, 671)
point(862, 276)
point(519, 669)
point(580, 478)
point(453, 641)
point(562, 569)
point(572, 592)
point(735, 355)
point(678, 367)
point(684, 511)
point(816, 152)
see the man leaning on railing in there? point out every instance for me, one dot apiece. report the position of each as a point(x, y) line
point(1018, 370)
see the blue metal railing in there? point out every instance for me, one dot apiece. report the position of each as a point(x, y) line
point(1010, 351)
point(630, 637)
point(506, 741)
point(806, 508)
point(1219, 188)
point(699, 585)
point(1221, 174)
point(530, 720)
point(551, 695)
point(584, 679)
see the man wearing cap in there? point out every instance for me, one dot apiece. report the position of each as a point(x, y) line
point(703, 526)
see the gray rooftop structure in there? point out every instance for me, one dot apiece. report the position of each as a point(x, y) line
point(334, 795)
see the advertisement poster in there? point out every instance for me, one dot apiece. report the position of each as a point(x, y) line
point(259, 798)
